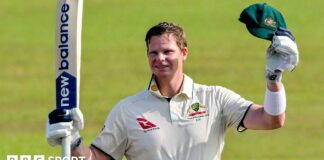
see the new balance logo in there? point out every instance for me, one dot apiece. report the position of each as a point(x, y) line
point(146, 125)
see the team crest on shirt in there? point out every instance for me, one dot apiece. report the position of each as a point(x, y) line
point(197, 110)
point(146, 125)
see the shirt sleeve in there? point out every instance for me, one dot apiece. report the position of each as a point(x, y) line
point(113, 137)
point(233, 107)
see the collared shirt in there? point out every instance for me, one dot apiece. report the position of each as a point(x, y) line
point(190, 126)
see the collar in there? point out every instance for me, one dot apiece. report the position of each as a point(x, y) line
point(186, 87)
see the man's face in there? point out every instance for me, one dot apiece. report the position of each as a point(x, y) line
point(165, 57)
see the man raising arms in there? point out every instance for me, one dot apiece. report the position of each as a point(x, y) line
point(175, 118)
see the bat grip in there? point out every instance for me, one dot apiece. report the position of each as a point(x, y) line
point(66, 147)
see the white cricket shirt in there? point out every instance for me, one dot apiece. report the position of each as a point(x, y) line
point(190, 127)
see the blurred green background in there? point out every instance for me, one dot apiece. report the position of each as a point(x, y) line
point(114, 65)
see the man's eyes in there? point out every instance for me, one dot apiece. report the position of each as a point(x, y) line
point(168, 51)
point(153, 53)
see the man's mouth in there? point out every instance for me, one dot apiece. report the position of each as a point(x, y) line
point(161, 66)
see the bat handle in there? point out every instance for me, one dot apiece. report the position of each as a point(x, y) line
point(66, 147)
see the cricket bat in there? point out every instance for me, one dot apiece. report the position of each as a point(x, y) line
point(68, 58)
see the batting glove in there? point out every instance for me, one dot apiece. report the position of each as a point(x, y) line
point(62, 123)
point(281, 55)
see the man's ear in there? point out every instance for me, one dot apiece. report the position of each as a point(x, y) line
point(184, 52)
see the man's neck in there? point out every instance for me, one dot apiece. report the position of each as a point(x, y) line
point(170, 87)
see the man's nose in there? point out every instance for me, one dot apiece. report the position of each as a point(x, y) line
point(161, 57)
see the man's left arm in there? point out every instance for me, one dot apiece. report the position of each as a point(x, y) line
point(281, 55)
point(258, 118)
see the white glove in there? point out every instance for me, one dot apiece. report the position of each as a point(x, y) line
point(281, 55)
point(62, 123)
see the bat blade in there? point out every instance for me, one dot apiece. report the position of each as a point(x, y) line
point(68, 53)
point(68, 58)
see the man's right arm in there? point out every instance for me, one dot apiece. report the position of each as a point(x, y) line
point(90, 153)
point(62, 123)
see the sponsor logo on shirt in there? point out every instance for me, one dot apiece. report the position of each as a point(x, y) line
point(196, 110)
point(146, 125)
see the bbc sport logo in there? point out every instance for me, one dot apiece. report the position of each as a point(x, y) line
point(42, 157)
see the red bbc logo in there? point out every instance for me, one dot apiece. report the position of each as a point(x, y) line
point(145, 124)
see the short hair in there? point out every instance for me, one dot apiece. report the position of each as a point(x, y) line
point(167, 28)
